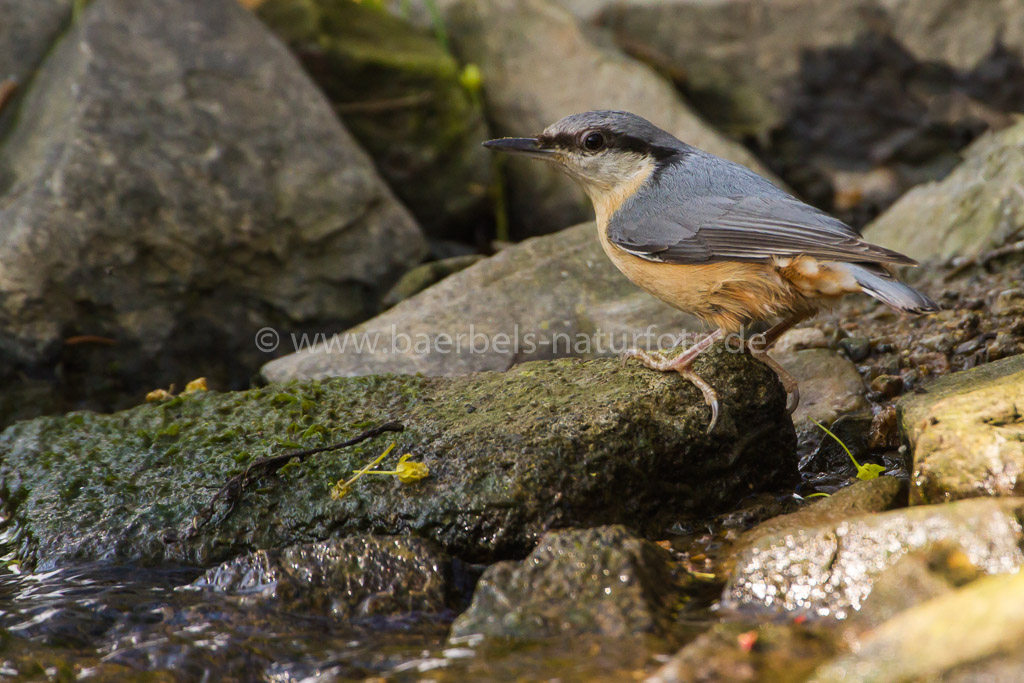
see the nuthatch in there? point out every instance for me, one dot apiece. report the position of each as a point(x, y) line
point(711, 237)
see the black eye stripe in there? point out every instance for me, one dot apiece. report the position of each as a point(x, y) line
point(627, 143)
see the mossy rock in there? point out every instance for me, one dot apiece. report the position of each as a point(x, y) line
point(546, 445)
point(399, 92)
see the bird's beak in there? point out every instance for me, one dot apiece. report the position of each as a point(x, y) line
point(531, 147)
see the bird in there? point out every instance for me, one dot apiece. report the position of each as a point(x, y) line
point(713, 238)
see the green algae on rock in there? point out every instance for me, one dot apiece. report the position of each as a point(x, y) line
point(967, 434)
point(545, 445)
point(576, 582)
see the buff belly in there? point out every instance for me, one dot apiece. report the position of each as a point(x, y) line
point(731, 294)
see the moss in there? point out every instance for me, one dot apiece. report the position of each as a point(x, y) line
point(547, 444)
point(399, 92)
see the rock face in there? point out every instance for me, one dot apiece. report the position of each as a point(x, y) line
point(976, 208)
point(544, 445)
point(595, 581)
point(171, 198)
point(973, 634)
point(829, 570)
point(399, 93)
point(967, 434)
point(809, 78)
point(28, 28)
point(551, 296)
point(359, 576)
point(539, 65)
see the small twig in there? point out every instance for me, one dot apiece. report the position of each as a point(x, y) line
point(383, 105)
point(7, 89)
point(231, 492)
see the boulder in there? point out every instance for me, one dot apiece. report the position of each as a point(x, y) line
point(829, 570)
point(978, 207)
point(510, 455)
point(966, 433)
point(547, 297)
point(355, 577)
point(972, 634)
point(601, 581)
point(163, 198)
point(539, 65)
point(399, 92)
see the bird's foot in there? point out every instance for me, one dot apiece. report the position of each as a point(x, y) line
point(710, 395)
point(789, 382)
point(681, 364)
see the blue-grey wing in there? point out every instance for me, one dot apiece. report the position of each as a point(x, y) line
point(743, 228)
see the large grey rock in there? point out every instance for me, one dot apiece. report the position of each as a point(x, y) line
point(830, 570)
point(539, 65)
point(594, 581)
point(358, 576)
point(399, 92)
point(967, 434)
point(978, 207)
point(551, 296)
point(510, 455)
point(174, 183)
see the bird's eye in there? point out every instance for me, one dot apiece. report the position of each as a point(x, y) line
point(593, 142)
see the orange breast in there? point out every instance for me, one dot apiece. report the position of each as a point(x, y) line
point(733, 293)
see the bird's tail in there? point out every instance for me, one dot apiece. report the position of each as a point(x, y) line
point(883, 285)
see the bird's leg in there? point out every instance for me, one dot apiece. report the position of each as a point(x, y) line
point(681, 364)
point(759, 350)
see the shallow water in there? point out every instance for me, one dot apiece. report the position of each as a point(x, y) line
point(106, 623)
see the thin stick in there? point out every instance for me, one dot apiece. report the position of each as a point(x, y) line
point(231, 492)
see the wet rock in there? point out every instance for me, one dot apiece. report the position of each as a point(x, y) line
point(511, 455)
point(427, 274)
point(967, 433)
point(888, 386)
point(220, 192)
point(963, 632)
point(548, 297)
point(861, 498)
point(829, 570)
point(359, 576)
point(539, 65)
point(399, 92)
point(857, 348)
point(830, 385)
point(747, 651)
point(976, 208)
point(594, 581)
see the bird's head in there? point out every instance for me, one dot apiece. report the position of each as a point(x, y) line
point(604, 151)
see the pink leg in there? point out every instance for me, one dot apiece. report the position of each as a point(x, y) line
point(681, 364)
point(760, 352)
